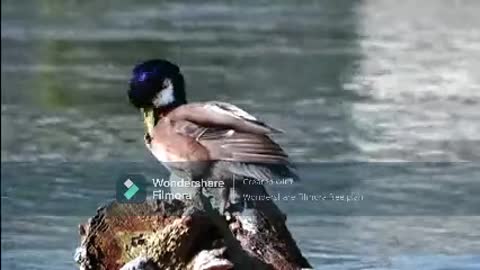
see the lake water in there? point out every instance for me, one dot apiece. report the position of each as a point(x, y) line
point(377, 97)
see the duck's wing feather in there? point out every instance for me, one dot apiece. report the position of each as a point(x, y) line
point(232, 135)
point(221, 115)
point(228, 132)
point(245, 154)
point(231, 145)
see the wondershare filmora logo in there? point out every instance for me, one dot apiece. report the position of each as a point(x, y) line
point(131, 188)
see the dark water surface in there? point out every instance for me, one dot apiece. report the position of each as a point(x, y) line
point(391, 86)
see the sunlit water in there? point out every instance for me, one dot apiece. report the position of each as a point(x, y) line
point(357, 81)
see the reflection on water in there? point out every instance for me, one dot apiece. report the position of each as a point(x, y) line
point(347, 80)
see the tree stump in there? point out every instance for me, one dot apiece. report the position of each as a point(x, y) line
point(180, 235)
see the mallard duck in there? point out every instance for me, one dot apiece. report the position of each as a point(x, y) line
point(205, 140)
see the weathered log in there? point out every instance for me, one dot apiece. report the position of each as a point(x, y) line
point(188, 235)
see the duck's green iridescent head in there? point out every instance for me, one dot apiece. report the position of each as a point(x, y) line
point(156, 85)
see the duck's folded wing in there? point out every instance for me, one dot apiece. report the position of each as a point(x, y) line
point(246, 154)
point(233, 136)
point(228, 132)
point(221, 115)
point(230, 145)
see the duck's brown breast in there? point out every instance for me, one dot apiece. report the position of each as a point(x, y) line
point(167, 145)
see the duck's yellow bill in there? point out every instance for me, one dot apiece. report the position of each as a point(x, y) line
point(148, 120)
